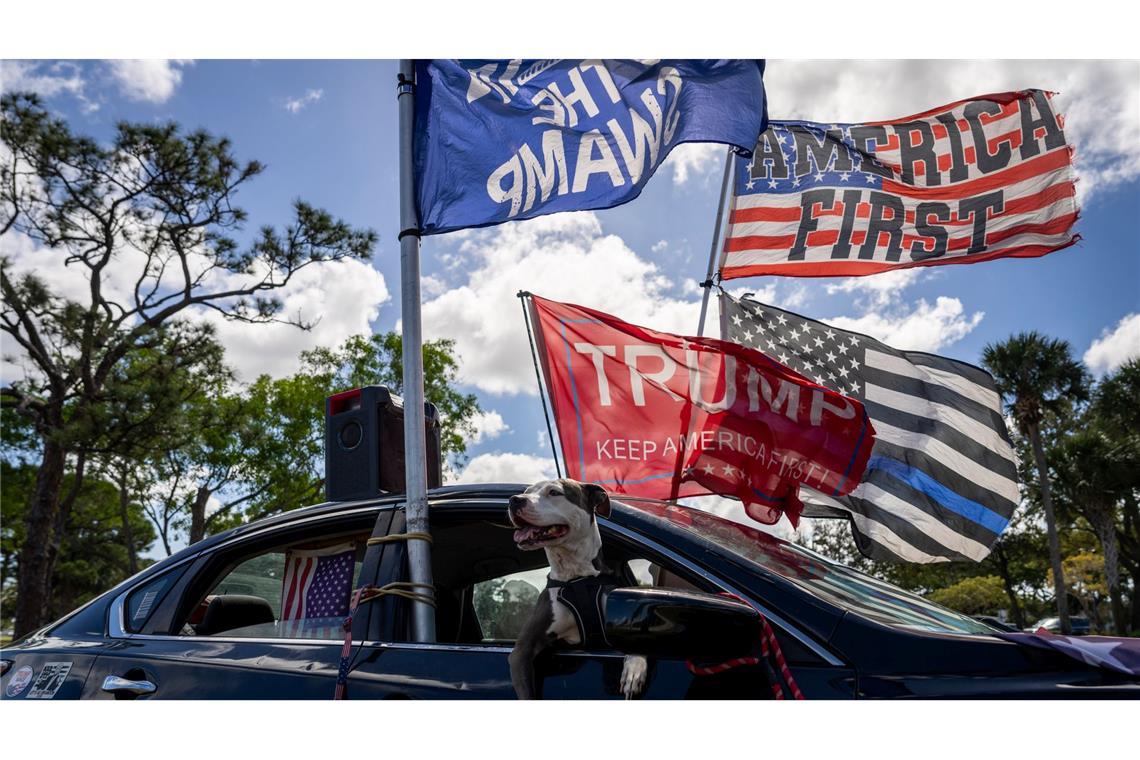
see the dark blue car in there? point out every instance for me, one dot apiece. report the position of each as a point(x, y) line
point(207, 622)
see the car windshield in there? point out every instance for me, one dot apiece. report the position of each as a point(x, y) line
point(834, 583)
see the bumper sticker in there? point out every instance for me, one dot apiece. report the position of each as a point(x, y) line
point(51, 678)
point(18, 682)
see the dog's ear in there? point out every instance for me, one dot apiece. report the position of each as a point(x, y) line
point(597, 499)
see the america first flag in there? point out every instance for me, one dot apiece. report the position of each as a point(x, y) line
point(978, 179)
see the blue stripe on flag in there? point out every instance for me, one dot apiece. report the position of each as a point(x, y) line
point(854, 456)
point(920, 481)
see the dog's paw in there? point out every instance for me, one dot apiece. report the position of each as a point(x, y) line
point(634, 671)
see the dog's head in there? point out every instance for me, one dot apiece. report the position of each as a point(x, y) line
point(553, 512)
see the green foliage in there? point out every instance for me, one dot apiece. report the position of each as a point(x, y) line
point(378, 360)
point(150, 221)
point(977, 595)
point(1116, 401)
point(1037, 375)
point(259, 449)
point(92, 557)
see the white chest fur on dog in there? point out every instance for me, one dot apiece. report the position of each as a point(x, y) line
point(560, 517)
point(565, 627)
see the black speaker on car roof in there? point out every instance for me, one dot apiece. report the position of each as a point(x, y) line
point(364, 444)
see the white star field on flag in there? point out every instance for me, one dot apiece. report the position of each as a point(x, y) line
point(819, 355)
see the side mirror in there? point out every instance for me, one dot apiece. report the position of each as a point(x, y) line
point(670, 623)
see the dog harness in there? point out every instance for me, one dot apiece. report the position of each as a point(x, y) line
point(586, 598)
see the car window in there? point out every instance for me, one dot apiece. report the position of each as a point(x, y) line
point(295, 592)
point(145, 599)
point(502, 605)
point(835, 583)
point(486, 587)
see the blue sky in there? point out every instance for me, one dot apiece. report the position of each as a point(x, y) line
point(327, 132)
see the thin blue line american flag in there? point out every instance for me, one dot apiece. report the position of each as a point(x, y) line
point(942, 481)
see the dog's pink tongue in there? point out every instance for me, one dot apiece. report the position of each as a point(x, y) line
point(522, 534)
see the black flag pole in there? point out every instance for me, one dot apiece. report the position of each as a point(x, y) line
point(523, 299)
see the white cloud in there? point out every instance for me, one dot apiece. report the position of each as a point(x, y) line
point(45, 79)
point(295, 105)
point(1099, 98)
point(341, 298)
point(213, 504)
point(430, 287)
point(921, 327)
point(488, 425)
point(506, 468)
point(1113, 348)
point(149, 80)
point(695, 161)
point(880, 289)
point(565, 254)
point(660, 246)
point(153, 79)
point(886, 316)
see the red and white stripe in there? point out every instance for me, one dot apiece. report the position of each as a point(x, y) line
point(1039, 208)
point(300, 567)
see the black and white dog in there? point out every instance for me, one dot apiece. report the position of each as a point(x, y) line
point(560, 517)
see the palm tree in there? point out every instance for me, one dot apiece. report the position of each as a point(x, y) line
point(1037, 376)
point(1117, 414)
point(1091, 478)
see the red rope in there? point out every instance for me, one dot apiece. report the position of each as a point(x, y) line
point(769, 649)
point(769, 636)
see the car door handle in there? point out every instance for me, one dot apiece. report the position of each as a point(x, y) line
point(117, 685)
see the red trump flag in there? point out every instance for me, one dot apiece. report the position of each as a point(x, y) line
point(648, 413)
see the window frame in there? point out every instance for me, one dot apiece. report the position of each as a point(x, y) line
point(480, 508)
point(210, 565)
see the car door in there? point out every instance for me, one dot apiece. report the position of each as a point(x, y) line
point(160, 646)
point(485, 589)
point(55, 664)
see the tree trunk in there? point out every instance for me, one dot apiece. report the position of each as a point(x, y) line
point(198, 515)
point(1051, 529)
point(1105, 528)
point(1007, 583)
point(62, 518)
point(34, 581)
point(125, 515)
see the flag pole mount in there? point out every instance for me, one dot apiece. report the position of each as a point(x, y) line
point(415, 445)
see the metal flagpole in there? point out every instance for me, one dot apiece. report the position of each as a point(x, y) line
point(708, 283)
point(523, 296)
point(415, 447)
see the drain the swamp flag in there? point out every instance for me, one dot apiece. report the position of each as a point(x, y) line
point(652, 414)
point(979, 179)
point(497, 141)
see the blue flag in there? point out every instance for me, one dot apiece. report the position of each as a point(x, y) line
point(497, 141)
